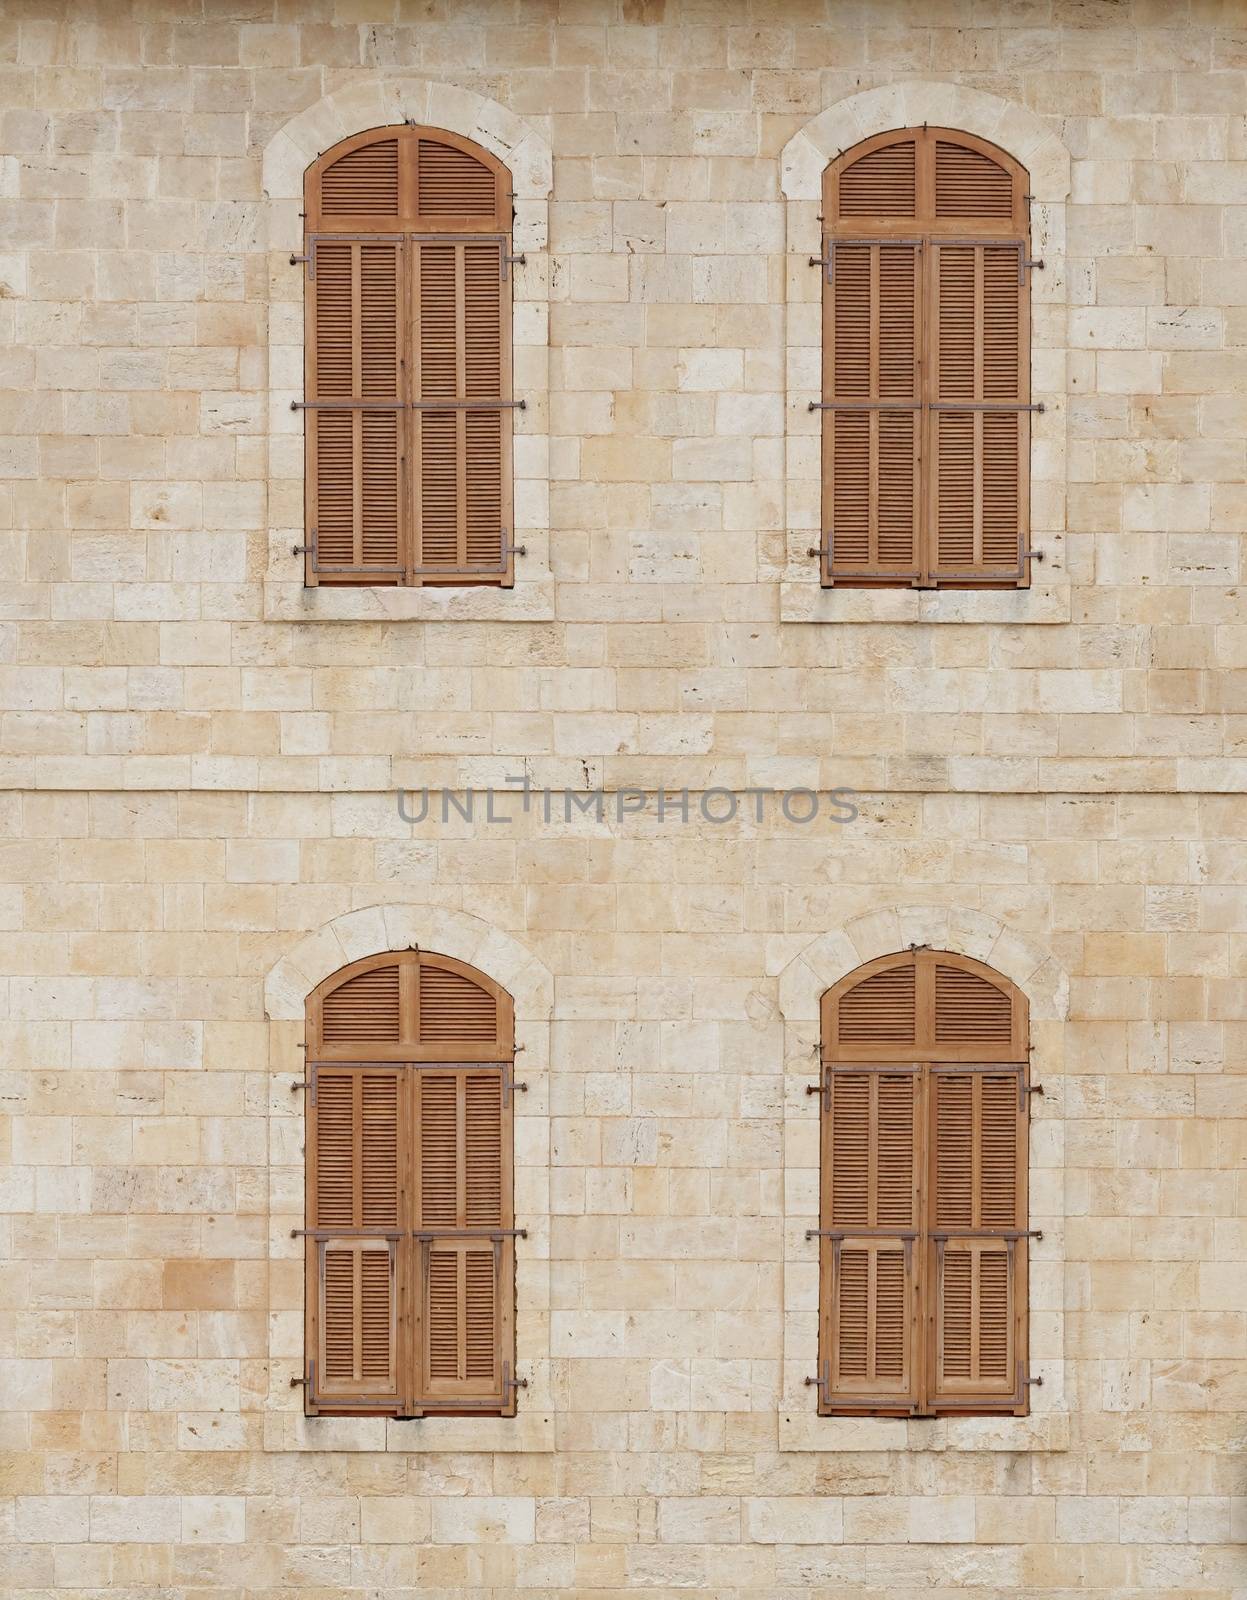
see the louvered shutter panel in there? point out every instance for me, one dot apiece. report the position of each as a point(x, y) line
point(354, 1157)
point(355, 418)
point(872, 1139)
point(871, 427)
point(978, 455)
point(463, 430)
point(466, 1255)
point(977, 1244)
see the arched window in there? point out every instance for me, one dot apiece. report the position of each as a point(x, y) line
point(408, 362)
point(926, 363)
point(410, 1224)
point(923, 1212)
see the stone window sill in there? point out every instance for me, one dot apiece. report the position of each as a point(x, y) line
point(805, 600)
point(528, 601)
point(529, 1433)
point(1041, 1431)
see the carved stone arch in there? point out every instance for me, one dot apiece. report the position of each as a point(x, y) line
point(868, 942)
point(370, 103)
point(464, 945)
point(1030, 140)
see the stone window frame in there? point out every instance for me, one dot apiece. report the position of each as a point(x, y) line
point(374, 103)
point(376, 930)
point(802, 983)
point(803, 161)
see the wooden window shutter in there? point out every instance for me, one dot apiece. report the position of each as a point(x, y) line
point(354, 1158)
point(410, 1233)
point(925, 364)
point(465, 1245)
point(462, 372)
point(355, 417)
point(408, 404)
point(872, 1142)
point(922, 1231)
point(978, 1189)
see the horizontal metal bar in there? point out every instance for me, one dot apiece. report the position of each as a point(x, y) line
point(419, 1066)
point(986, 1233)
point(983, 405)
point(865, 405)
point(348, 405)
point(359, 238)
point(470, 1233)
point(469, 405)
point(861, 1233)
point(409, 405)
point(837, 243)
point(346, 1233)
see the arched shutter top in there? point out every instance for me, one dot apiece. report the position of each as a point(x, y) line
point(935, 180)
point(924, 1005)
point(402, 178)
point(410, 1005)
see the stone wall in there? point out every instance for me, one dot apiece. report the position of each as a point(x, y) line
point(199, 761)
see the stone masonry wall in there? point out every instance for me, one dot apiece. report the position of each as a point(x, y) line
point(198, 819)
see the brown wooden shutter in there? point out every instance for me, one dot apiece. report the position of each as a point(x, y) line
point(977, 1237)
point(872, 430)
point(355, 417)
point(925, 363)
point(355, 1155)
point(923, 1236)
point(465, 1250)
point(979, 454)
point(872, 1142)
point(409, 374)
point(462, 425)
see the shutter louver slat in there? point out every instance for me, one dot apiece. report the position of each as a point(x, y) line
point(365, 1007)
point(364, 182)
point(882, 183)
point(453, 1007)
point(880, 1009)
point(970, 185)
point(453, 184)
